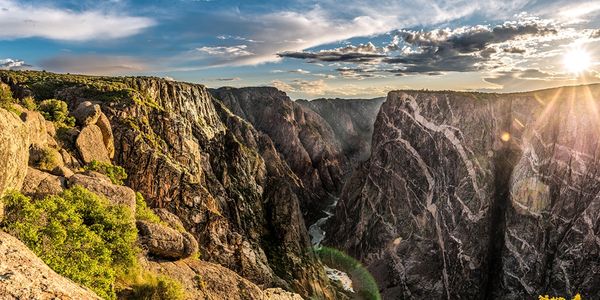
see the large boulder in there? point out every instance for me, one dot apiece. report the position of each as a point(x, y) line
point(107, 135)
point(36, 127)
point(117, 194)
point(165, 242)
point(14, 151)
point(24, 276)
point(91, 145)
point(169, 218)
point(87, 113)
point(39, 184)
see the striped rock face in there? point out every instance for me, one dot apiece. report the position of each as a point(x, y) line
point(470, 195)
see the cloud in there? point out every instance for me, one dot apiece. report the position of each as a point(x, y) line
point(359, 54)
point(462, 49)
point(19, 20)
point(227, 51)
point(228, 79)
point(13, 64)
point(290, 32)
point(93, 64)
point(515, 50)
point(320, 87)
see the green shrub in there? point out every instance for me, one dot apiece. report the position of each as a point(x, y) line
point(142, 212)
point(160, 287)
point(45, 159)
point(29, 103)
point(6, 97)
point(78, 234)
point(115, 173)
point(56, 111)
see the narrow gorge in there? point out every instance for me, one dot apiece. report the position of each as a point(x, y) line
point(243, 193)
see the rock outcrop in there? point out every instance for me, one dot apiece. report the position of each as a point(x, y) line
point(305, 140)
point(39, 184)
point(24, 276)
point(90, 145)
point(352, 122)
point(14, 153)
point(470, 195)
point(165, 242)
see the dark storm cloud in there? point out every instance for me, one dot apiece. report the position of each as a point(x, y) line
point(433, 52)
point(462, 50)
point(515, 50)
point(357, 54)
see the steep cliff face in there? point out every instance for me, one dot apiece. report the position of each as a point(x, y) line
point(305, 140)
point(187, 153)
point(478, 195)
point(182, 156)
point(352, 122)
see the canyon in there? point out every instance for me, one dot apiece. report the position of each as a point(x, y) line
point(441, 195)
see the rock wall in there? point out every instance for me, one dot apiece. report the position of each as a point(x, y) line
point(304, 139)
point(352, 122)
point(188, 154)
point(471, 195)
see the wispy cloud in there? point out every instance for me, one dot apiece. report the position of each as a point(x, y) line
point(19, 20)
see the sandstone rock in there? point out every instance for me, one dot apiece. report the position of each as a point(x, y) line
point(70, 161)
point(169, 218)
point(39, 184)
point(118, 195)
point(91, 146)
point(63, 172)
point(50, 128)
point(87, 113)
point(24, 276)
point(36, 126)
point(107, 135)
point(14, 151)
point(165, 242)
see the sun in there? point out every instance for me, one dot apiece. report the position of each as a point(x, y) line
point(577, 61)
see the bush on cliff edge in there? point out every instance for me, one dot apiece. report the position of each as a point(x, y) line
point(78, 234)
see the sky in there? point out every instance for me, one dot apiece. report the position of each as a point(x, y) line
point(312, 49)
